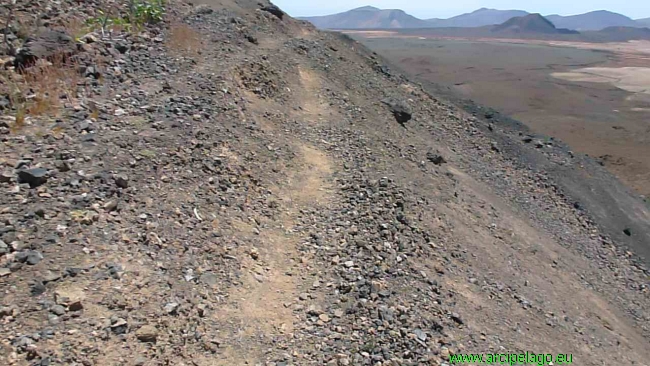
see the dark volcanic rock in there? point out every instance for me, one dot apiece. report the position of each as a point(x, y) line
point(5, 103)
point(34, 177)
point(45, 45)
point(252, 39)
point(274, 10)
point(122, 181)
point(121, 47)
point(400, 109)
point(436, 158)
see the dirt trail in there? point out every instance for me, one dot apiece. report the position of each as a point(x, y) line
point(262, 307)
point(308, 183)
point(313, 106)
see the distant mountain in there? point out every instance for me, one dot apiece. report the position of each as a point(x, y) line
point(595, 20)
point(531, 23)
point(478, 18)
point(619, 34)
point(367, 17)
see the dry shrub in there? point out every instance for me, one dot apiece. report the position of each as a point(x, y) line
point(25, 24)
point(184, 40)
point(41, 89)
point(19, 123)
point(51, 83)
point(75, 27)
point(94, 109)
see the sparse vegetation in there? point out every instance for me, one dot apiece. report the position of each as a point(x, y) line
point(94, 110)
point(19, 122)
point(76, 28)
point(41, 89)
point(149, 154)
point(108, 22)
point(138, 122)
point(146, 11)
point(138, 14)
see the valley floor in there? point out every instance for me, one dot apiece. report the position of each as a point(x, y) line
point(593, 96)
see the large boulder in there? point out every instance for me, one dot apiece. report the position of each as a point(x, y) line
point(400, 109)
point(273, 9)
point(47, 44)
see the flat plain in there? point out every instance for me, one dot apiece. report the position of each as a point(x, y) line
point(593, 96)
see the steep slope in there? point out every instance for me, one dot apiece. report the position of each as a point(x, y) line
point(367, 17)
point(232, 187)
point(532, 23)
point(595, 20)
point(478, 18)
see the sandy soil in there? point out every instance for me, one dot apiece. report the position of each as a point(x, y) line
point(632, 79)
point(593, 96)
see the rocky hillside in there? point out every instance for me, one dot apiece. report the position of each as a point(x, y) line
point(220, 184)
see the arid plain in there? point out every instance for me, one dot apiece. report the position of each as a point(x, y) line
point(593, 96)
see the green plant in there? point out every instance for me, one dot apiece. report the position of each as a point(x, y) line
point(143, 12)
point(140, 13)
point(106, 21)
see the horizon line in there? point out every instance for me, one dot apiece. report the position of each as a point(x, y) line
point(544, 15)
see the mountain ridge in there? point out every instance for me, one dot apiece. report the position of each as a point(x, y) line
point(592, 21)
point(368, 17)
point(478, 18)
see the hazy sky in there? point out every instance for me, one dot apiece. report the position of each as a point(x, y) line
point(445, 9)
